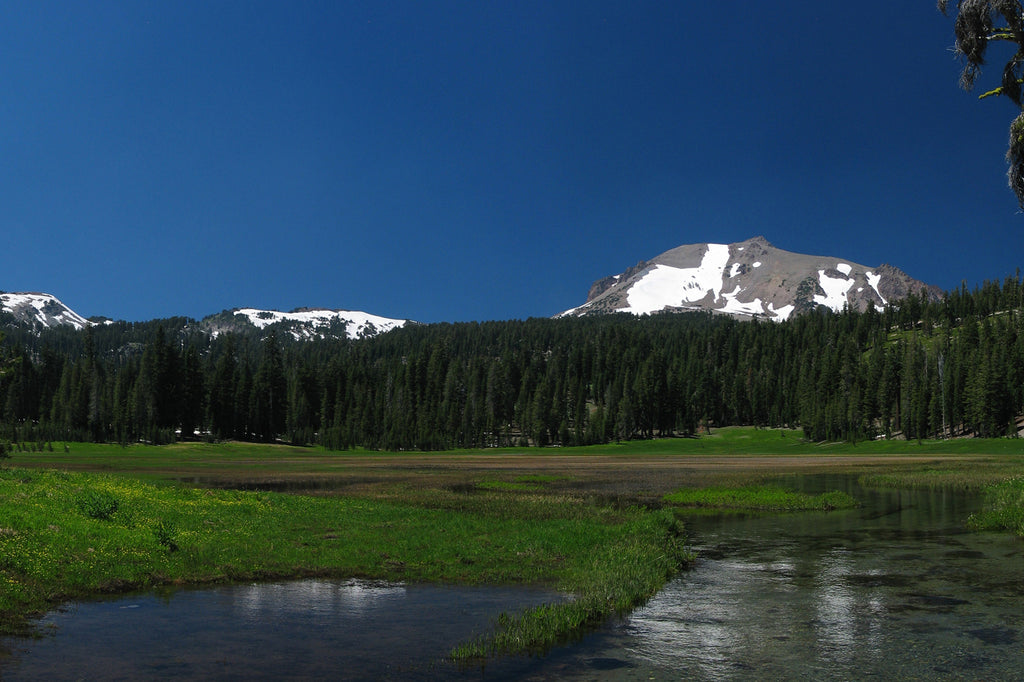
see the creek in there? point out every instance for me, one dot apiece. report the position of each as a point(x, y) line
point(897, 589)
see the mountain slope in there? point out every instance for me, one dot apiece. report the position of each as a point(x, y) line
point(303, 323)
point(749, 279)
point(40, 310)
point(44, 311)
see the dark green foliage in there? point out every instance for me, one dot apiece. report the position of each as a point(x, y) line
point(760, 498)
point(979, 24)
point(919, 369)
point(165, 535)
point(269, 396)
point(98, 504)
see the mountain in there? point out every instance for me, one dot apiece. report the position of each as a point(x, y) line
point(747, 279)
point(40, 310)
point(303, 323)
point(44, 311)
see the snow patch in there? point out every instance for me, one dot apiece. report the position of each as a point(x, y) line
point(844, 268)
point(754, 307)
point(44, 309)
point(835, 291)
point(574, 311)
point(356, 322)
point(874, 281)
point(734, 270)
point(757, 264)
point(665, 286)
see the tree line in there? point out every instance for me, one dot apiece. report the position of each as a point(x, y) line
point(920, 368)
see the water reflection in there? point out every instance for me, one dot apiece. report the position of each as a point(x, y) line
point(336, 630)
point(352, 598)
point(898, 589)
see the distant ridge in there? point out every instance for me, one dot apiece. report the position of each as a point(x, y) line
point(40, 311)
point(304, 323)
point(751, 278)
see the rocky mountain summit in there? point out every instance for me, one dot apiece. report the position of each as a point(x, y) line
point(747, 279)
point(303, 323)
point(40, 310)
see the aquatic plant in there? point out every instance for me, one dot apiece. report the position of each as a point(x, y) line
point(759, 498)
point(604, 579)
point(1003, 508)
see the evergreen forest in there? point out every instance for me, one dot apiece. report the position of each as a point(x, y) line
point(919, 369)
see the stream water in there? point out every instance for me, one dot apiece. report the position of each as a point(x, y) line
point(310, 629)
point(897, 589)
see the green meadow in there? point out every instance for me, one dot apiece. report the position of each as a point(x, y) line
point(602, 524)
point(66, 535)
point(199, 457)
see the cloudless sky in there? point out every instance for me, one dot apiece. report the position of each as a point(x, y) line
point(446, 161)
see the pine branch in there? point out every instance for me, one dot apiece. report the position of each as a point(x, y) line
point(997, 91)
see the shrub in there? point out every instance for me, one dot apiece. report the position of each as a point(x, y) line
point(164, 534)
point(98, 504)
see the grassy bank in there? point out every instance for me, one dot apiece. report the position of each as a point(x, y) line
point(759, 498)
point(971, 475)
point(66, 535)
point(1004, 508)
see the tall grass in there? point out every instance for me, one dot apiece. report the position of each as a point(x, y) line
point(760, 498)
point(974, 475)
point(1003, 509)
point(607, 577)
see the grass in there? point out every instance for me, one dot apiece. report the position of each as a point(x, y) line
point(528, 482)
point(610, 577)
point(759, 498)
point(199, 458)
point(972, 475)
point(584, 521)
point(66, 535)
point(745, 440)
point(1004, 508)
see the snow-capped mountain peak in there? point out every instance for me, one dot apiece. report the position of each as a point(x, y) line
point(38, 309)
point(304, 323)
point(44, 311)
point(747, 279)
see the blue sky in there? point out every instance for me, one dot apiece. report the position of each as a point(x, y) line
point(447, 161)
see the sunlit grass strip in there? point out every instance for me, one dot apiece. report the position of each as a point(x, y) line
point(70, 535)
point(196, 458)
point(524, 483)
point(970, 476)
point(759, 498)
point(1003, 509)
point(521, 486)
point(605, 579)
